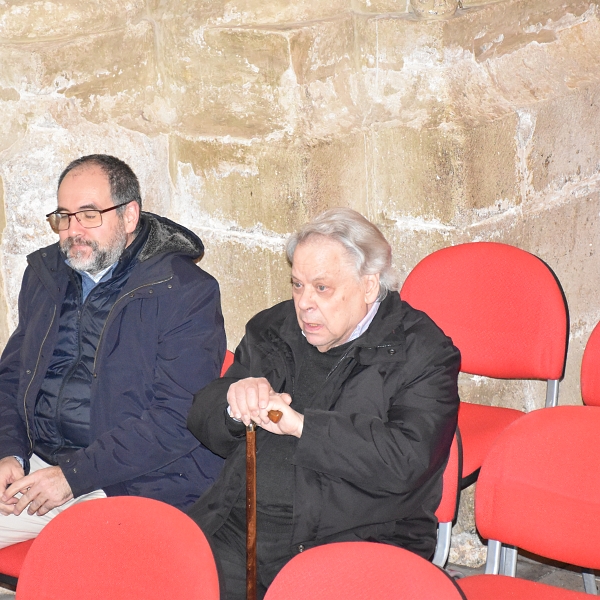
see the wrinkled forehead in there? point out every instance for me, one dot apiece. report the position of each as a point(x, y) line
point(319, 256)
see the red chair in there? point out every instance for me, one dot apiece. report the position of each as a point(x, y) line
point(359, 570)
point(590, 393)
point(119, 548)
point(590, 370)
point(505, 311)
point(539, 490)
point(11, 561)
point(448, 508)
point(227, 362)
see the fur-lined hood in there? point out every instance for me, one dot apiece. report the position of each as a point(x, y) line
point(163, 235)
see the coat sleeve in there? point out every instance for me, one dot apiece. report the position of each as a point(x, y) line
point(13, 433)
point(191, 347)
point(398, 453)
point(208, 419)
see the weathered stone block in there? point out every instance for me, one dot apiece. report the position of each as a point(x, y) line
point(232, 13)
point(400, 73)
point(381, 6)
point(489, 157)
point(411, 238)
point(418, 172)
point(322, 56)
point(13, 123)
point(565, 145)
point(242, 184)
point(251, 279)
point(32, 20)
point(109, 75)
point(236, 82)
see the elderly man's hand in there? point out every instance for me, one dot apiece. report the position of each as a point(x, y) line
point(10, 471)
point(252, 398)
point(41, 491)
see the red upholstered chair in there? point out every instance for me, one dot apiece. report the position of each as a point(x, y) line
point(446, 512)
point(590, 370)
point(539, 490)
point(590, 393)
point(119, 548)
point(359, 570)
point(11, 561)
point(505, 311)
point(227, 362)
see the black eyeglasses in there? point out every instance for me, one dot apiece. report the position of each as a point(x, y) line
point(89, 218)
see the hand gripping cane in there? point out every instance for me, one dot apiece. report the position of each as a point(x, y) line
point(275, 416)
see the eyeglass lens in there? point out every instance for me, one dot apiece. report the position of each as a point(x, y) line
point(87, 218)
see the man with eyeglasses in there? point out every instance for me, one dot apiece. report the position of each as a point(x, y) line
point(118, 327)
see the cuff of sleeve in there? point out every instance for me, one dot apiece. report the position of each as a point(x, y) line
point(234, 426)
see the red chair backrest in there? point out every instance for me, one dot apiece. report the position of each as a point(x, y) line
point(359, 570)
point(446, 511)
point(492, 296)
point(539, 486)
point(590, 369)
point(119, 548)
point(227, 362)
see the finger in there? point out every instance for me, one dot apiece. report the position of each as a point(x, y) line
point(251, 398)
point(6, 509)
point(233, 406)
point(286, 398)
point(241, 400)
point(23, 503)
point(39, 506)
point(16, 487)
point(264, 394)
point(46, 508)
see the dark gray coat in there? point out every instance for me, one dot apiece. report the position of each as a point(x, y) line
point(371, 466)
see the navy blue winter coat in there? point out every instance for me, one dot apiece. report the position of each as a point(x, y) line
point(163, 340)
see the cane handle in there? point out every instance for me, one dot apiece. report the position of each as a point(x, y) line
point(275, 415)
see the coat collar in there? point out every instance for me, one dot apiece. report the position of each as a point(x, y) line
point(383, 341)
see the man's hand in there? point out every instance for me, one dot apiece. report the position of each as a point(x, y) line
point(252, 398)
point(41, 491)
point(10, 471)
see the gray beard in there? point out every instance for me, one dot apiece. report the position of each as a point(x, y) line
point(100, 258)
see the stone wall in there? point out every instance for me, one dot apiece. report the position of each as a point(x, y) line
point(244, 118)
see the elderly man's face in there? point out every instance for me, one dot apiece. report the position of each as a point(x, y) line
point(94, 249)
point(330, 298)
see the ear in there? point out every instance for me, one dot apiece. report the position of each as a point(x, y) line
point(371, 287)
point(131, 216)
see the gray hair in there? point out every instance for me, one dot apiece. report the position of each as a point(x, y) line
point(366, 245)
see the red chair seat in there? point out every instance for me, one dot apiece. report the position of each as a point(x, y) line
point(488, 587)
point(12, 557)
point(479, 427)
point(359, 570)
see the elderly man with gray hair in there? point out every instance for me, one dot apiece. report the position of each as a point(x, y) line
point(368, 390)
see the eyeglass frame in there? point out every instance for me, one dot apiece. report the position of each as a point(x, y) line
point(74, 214)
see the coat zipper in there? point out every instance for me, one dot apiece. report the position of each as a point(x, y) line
point(33, 377)
point(346, 354)
point(110, 313)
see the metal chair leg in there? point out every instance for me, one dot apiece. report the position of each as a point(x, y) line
point(589, 582)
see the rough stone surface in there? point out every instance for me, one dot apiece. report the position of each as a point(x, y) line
point(244, 119)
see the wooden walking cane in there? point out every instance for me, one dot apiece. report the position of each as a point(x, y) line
point(275, 416)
